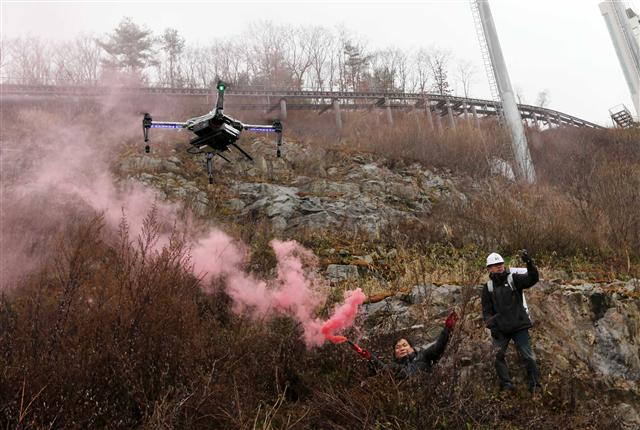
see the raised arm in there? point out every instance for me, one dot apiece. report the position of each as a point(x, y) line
point(528, 280)
point(435, 350)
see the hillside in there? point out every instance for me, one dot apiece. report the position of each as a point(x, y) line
point(126, 277)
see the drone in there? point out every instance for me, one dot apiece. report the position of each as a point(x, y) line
point(215, 132)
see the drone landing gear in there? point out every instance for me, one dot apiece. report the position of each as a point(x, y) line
point(210, 167)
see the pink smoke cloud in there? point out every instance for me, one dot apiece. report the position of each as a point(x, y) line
point(71, 169)
point(295, 291)
point(56, 164)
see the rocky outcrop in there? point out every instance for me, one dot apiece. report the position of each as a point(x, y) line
point(356, 192)
point(589, 331)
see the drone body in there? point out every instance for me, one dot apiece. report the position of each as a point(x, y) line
point(215, 132)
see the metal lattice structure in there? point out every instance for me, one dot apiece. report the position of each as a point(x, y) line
point(622, 117)
point(484, 51)
point(321, 101)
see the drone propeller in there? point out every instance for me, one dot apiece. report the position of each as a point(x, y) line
point(277, 126)
point(146, 124)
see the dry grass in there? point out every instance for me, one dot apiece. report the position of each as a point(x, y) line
point(110, 333)
point(106, 332)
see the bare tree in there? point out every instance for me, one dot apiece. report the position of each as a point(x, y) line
point(298, 56)
point(77, 62)
point(172, 45)
point(403, 69)
point(465, 74)
point(543, 98)
point(199, 66)
point(519, 94)
point(439, 64)
point(30, 61)
point(266, 49)
point(422, 69)
point(4, 51)
point(320, 44)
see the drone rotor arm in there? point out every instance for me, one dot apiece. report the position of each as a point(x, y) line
point(276, 127)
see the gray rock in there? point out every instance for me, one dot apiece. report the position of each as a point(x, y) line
point(236, 204)
point(420, 293)
point(342, 272)
point(279, 223)
point(359, 159)
point(309, 205)
point(371, 169)
point(629, 415)
point(613, 355)
point(314, 221)
point(200, 209)
point(503, 168)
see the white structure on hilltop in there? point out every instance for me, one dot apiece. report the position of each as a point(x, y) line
point(624, 28)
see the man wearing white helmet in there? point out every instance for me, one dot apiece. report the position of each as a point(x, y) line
point(505, 315)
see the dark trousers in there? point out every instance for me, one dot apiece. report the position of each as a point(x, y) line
point(521, 339)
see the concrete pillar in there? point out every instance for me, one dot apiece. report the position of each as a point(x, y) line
point(452, 121)
point(416, 115)
point(476, 119)
point(283, 109)
point(336, 111)
point(438, 121)
point(466, 114)
point(388, 109)
point(427, 108)
point(534, 120)
point(510, 110)
point(558, 120)
point(548, 118)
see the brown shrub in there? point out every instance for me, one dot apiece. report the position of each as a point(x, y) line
point(114, 333)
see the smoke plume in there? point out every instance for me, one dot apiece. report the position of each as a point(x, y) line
point(70, 175)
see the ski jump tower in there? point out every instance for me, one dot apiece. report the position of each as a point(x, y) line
point(499, 79)
point(624, 28)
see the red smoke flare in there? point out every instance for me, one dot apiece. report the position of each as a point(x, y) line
point(343, 317)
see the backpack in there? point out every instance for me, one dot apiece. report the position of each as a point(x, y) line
point(513, 288)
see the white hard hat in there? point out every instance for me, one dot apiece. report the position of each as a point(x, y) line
point(494, 258)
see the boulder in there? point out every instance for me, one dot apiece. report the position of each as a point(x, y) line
point(342, 272)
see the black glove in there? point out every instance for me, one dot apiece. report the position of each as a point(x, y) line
point(525, 257)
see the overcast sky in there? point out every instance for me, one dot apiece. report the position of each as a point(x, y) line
point(557, 45)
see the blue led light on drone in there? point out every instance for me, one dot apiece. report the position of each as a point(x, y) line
point(259, 129)
point(166, 126)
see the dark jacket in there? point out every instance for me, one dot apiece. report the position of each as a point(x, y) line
point(421, 360)
point(502, 310)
